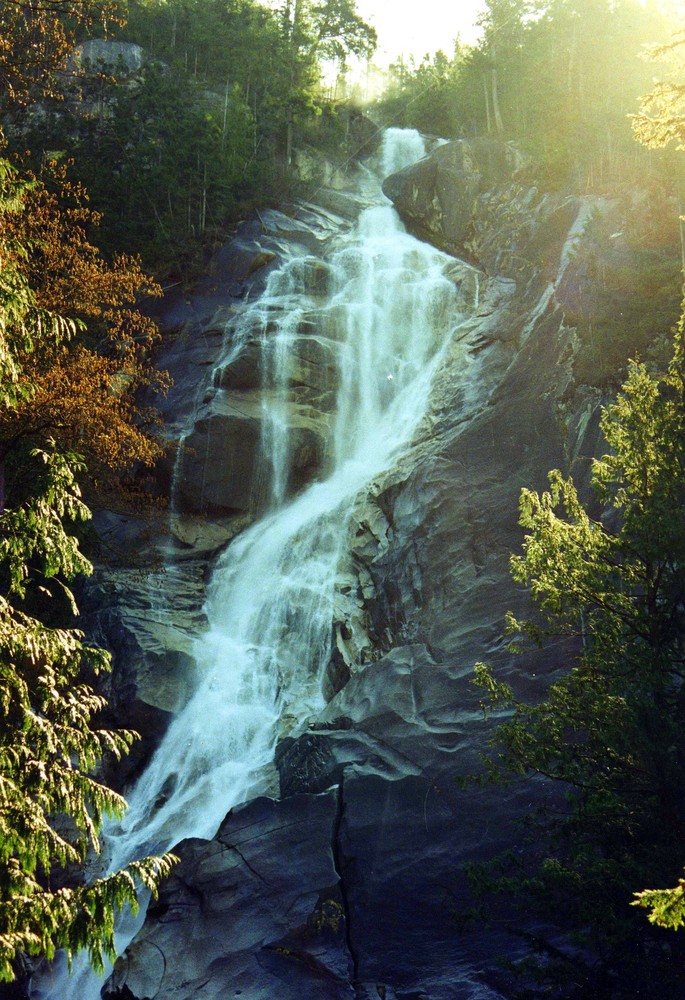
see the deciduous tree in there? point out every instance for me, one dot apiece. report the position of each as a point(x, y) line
point(36, 39)
point(80, 392)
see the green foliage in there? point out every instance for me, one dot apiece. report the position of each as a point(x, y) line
point(267, 57)
point(328, 29)
point(560, 77)
point(179, 160)
point(51, 804)
point(26, 528)
point(580, 77)
point(212, 40)
point(661, 119)
point(204, 128)
point(313, 30)
point(666, 906)
point(237, 48)
point(611, 729)
point(660, 122)
point(427, 96)
point(49, 749)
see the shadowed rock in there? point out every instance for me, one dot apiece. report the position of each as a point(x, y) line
point(267, 929)
point(353, 884)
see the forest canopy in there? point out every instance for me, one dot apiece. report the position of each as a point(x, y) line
point(559, 77)
point(202, 127)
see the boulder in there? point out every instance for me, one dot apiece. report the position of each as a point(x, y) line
point(437, 196)
point(253, 924)
point(149, 618)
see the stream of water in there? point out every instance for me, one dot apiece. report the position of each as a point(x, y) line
point(389, 312)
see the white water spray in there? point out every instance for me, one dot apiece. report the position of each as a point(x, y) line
point(401, 147)
point(389, 313)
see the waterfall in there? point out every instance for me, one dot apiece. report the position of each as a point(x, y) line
point(401, 147)
point(388, 312)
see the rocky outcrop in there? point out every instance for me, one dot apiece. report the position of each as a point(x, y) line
point(352, 882)
point(476, 198)
point(261, 928)
point(350, 893)
point(438, 197)
point(98, 53)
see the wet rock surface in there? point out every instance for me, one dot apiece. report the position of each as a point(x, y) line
point(251, 925)
point(146, 598)
point(352, 883)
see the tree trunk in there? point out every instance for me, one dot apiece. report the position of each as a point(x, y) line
point(203, 211)
point(224, 127)
point(495, 102)
point(290, 126)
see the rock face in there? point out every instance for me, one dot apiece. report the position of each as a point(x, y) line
point(98, 52)
point(438, 197)
point(351, 883)
point(285, 923)
point(149, 613)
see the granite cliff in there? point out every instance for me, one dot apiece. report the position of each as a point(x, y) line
point(345, 876)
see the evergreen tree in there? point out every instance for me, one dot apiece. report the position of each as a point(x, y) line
point(660, 122)
point(315, 30)
point(611, 730)
point(429, 97)
point(661, 119)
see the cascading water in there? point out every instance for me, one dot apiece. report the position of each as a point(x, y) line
point(389, 312)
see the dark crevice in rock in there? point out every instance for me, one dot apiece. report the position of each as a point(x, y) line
point(121, 994)
point(339, 865)
point(247, 864)
point(283, 952)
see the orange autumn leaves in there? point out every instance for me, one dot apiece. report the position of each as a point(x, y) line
point(82, 393)
point(68, 273)
point(86, 402)
point(37, 38)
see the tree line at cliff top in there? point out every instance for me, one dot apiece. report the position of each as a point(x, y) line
point(173, 152)
point(561, 77)
point(230, 88)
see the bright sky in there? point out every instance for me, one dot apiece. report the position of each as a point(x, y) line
point(415, 27)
